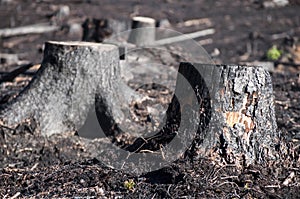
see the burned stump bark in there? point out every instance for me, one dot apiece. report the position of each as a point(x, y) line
point(225, 113)
point(242, 127)
point(63, 90)
point(234, 108)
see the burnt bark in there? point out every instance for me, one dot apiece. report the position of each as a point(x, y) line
point(242, 128)
point(232, 107)
point(223, 112)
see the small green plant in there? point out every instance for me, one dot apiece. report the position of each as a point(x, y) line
point(129, 184)
point(274, 53)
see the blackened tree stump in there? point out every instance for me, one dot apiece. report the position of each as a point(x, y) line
point(64, 89)
point(242, 128)
point(234, 111)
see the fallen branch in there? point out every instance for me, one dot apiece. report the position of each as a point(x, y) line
point(27, 73)
point(276, 63)
point(13, 74)
point(285, 34)
point(184, 37)
point(195, 22)
point(30, 29)
point(289, 179)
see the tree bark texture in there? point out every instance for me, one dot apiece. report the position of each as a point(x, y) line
point(232, 107)
point(242, 128)
point(63, 90)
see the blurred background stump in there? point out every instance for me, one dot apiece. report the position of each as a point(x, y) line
point(143, 31)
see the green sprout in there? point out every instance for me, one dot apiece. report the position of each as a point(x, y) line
point(274, 53)
point(129, 184)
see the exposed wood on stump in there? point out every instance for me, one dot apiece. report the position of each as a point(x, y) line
point(64, 89)
point(143, 31)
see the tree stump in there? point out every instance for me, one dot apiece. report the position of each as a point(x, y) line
point(234, 108)
point(143, 31)
point(225, 113)
point(64, 89)
point(242, 127)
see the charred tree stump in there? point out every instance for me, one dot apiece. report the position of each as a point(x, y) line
point(63, 90)
point(242, 128)
point(225, 113)
point(143, 31)
point(234, 108)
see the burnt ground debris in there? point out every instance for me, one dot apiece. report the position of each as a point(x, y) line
point(33, 165)
point(64, 166)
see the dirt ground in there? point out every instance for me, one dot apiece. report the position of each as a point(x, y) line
point(64, 166)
